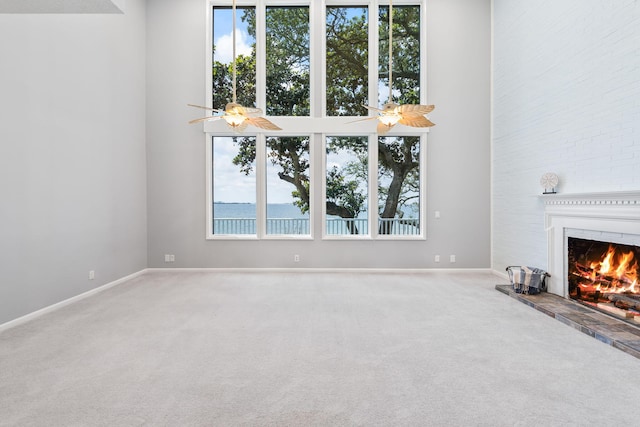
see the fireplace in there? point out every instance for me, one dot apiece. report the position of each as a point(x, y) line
point(604, 276)
point(584, 233)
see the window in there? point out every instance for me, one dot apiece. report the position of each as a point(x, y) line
point(312, 66)
point(399, 185)
point(233, 186)
point(406, 55)
point(346, 186)
point(288, 186)
point(287, 61)
point(223, 56)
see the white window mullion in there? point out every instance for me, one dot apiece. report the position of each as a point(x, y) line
point(261, 186)
point(373, 52)
point(261, 55)
point(423, 52)
point(208, 101)
point(423, 185)
point(314, 143)
point(209, 184)
point(323, 185)
point(373, 186)
point(261, 102)
point(318, 45)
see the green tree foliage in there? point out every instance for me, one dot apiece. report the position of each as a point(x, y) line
point(406, 51)
point(288, 68)
point(245, 82)
point(347, 61)
point(344, 194)
point(291, 154)
point(398, 164)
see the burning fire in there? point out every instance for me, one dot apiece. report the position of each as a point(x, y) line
point(621, 272)
point(609, 284)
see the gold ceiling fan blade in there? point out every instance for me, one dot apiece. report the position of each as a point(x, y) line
point(250, 111)
point(204, 119)
point(369, 107)
point(206, 108)
point(362, 120)
point(417, 109)
point(416, 121)
point(262, 123)
point(382, 128)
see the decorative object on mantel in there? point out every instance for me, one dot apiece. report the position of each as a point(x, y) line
point(549, 181)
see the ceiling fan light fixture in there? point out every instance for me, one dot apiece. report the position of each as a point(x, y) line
point(234, 120)
point(389, 119)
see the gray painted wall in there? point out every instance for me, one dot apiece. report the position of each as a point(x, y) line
point(458, 151)
point(72, 155)
point(566, 91)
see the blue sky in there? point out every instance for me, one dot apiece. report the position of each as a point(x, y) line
point(222, 35)
point(231, 185)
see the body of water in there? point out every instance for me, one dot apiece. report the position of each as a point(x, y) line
point(248, 210)
point(240, 218)
point(285, 218)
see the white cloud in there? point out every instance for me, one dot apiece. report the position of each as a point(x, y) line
point(224, 46)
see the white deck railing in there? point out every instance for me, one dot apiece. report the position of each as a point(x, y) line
point(300, 226)
point(342, 226)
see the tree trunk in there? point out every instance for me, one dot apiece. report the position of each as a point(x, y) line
point(342, 212)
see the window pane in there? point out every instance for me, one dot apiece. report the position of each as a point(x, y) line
point(399, 185)
point(288, 185)
point(288, 61)
point(346, 191)
point(223, 56)
point(234, 185)
point(347, 61)
point(406, 55)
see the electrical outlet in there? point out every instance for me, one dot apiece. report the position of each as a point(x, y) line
point(452, 258)
point(437, 214)
point(169, 258)
point(437, 258)
point(296, 258)
point(92, 274)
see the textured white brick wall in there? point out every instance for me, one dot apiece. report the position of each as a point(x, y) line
point(566, 100)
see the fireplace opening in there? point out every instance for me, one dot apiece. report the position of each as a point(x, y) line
point(604, 276)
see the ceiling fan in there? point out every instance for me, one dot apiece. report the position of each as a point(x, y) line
point(391, 113)
point(237, 116)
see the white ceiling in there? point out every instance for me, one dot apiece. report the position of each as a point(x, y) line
point(61, 6)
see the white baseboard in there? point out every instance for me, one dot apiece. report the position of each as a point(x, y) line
point(501, 274)
point(322, 270)
point(58, 305)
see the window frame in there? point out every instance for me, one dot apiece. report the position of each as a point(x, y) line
point(314, 126)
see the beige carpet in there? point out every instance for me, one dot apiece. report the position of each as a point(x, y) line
point(310, 349)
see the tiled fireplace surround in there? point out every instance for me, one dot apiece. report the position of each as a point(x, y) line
point(609, 217)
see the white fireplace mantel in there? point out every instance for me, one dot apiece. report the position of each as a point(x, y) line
point(612, 212)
